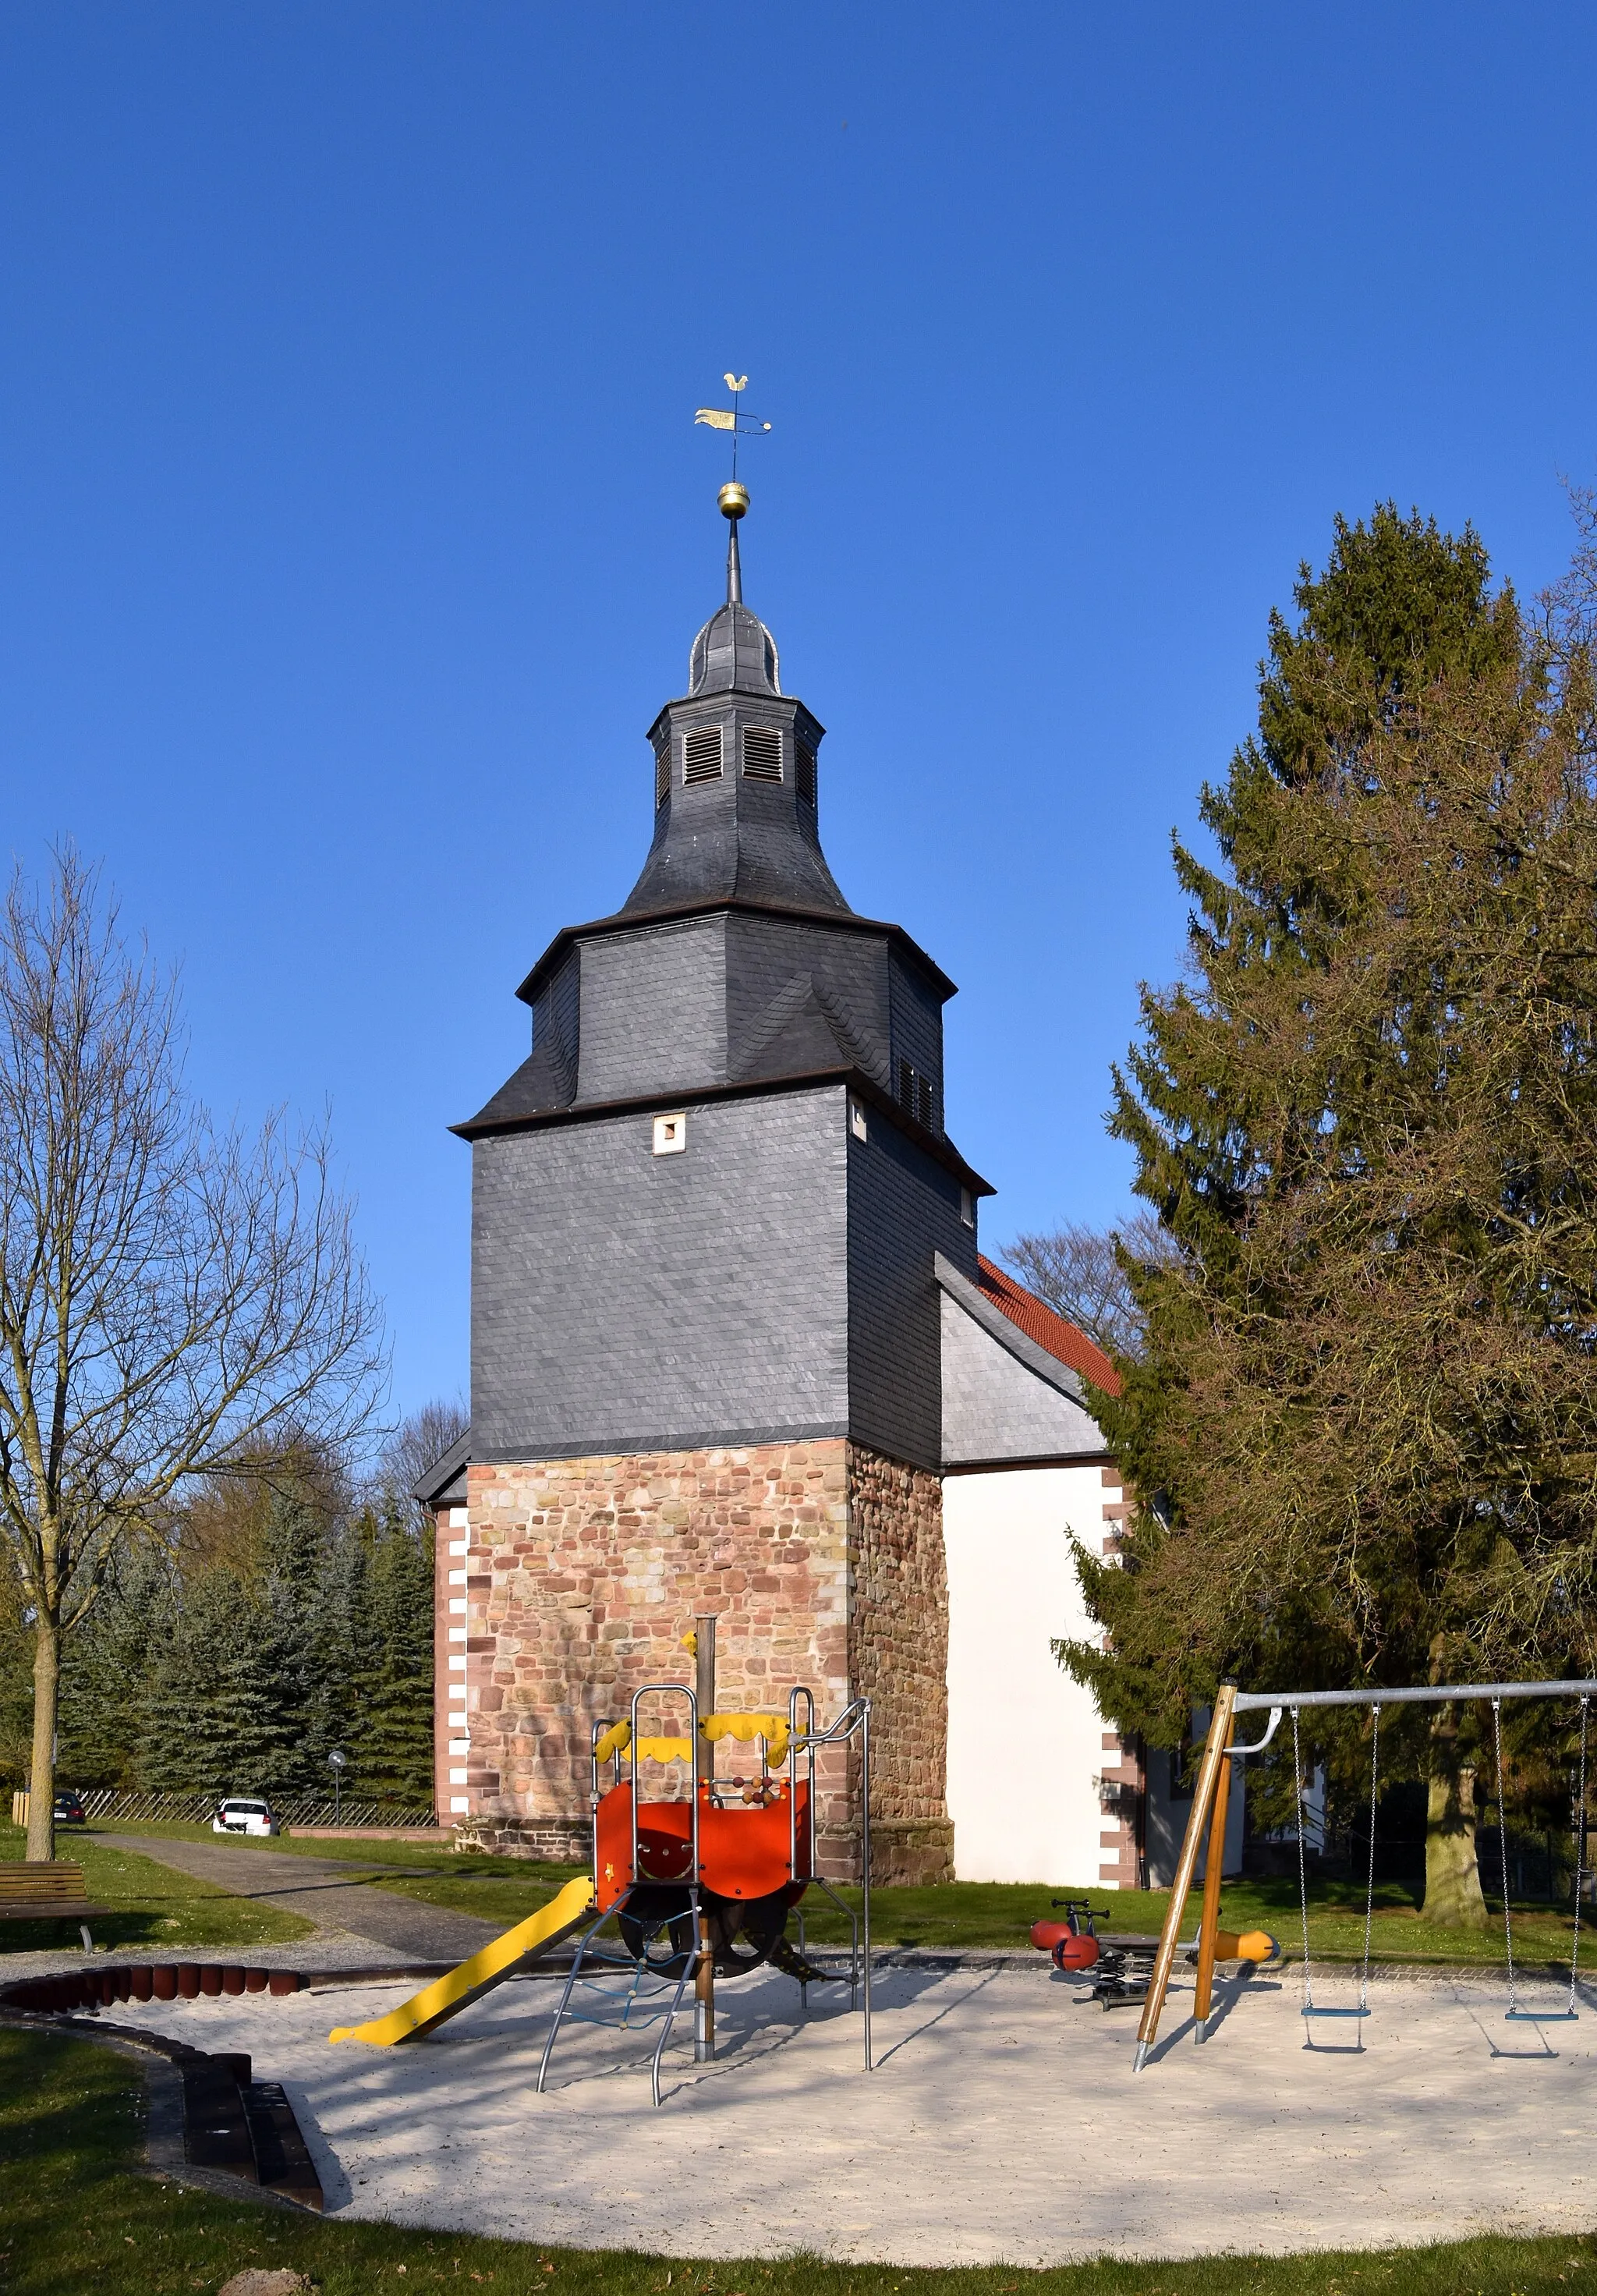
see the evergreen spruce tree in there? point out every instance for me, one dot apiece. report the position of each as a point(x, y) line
point(103, 1679)
point(289, 1742)
point(209, 1718)
point(346, 1642)
point(393, 1753)
point(1365, 1418)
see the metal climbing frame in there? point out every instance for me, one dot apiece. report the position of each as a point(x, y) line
point(1209, 1806)
point(855, 1720)
point(634, 1992)
point(641, 2003)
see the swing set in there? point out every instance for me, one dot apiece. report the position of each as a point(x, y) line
point(1211, 1797)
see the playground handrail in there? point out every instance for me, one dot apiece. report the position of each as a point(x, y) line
point(795, 1741)
point(855, 1716)
point(667, 1690)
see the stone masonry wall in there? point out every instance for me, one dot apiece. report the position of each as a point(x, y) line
point(899, 1655)
point(586, 1573)
point(824, 1565)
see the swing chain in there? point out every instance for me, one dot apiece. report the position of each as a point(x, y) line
point(1580, 1852)
point(1508, 1926)
point(1364, 1989)
point(1308, 1985)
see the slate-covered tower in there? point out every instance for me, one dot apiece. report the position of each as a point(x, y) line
point(705, 1323)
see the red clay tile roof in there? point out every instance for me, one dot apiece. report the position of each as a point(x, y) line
point(1039, 1323)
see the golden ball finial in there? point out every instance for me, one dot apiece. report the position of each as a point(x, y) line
point(733, 499)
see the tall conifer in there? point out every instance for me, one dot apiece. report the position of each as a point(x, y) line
point(1365, 1422)
point(395, 1746)
point(105, 1671)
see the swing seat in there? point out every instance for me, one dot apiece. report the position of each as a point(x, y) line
point(1334, 2013)
point(1541, 2016)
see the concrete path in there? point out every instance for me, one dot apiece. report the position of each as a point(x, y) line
point(320, 1890)
point(1003, 2124)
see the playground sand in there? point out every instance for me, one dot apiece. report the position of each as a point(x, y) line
point(1003, 2124)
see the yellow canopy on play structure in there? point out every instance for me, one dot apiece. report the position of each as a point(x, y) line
point(746, 1727)
point(619, 1737)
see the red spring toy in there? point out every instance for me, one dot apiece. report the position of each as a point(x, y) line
point(1075, 1953)
point(1066, 1947)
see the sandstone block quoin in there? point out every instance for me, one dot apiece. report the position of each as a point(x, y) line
point(823, 1564)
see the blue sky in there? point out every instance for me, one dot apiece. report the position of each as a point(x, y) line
point(355, 527)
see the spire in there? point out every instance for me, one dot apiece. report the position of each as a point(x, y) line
point(734, 501)
point(735, 651)
point(735, 814)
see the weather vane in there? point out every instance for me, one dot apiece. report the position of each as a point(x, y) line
point(733, 418)
point(734, 495)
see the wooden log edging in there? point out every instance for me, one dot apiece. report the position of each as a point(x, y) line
point(232, 2122)
point(61, 1992)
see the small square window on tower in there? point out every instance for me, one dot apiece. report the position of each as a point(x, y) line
point(967, 1207)
point(670, 1134)
point(856, 1121)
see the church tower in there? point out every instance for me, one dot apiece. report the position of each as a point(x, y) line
point(708, 1214)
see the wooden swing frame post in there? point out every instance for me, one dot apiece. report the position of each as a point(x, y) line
point(1215, 1762)
point(1213, 1872)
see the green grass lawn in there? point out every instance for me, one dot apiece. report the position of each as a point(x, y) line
point(151, 1905)
point(980, 1915)
point(359, 1853)
point(1001, 1914)
point(499, 1889)
point(75, 2215)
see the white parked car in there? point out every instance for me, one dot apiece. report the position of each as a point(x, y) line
point(237, 1816)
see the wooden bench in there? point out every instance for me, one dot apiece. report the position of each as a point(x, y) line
point(48, 1893)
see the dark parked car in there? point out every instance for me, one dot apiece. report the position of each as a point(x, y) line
point(69, 1810)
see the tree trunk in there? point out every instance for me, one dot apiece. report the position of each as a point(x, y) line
point(41, 1783)
point(1453, 1899)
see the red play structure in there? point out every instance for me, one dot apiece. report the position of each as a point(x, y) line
point(699, 1865)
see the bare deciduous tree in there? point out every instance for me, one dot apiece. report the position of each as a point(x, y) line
point(1080, 1272)
point(175, 1297)
point(417, 1443)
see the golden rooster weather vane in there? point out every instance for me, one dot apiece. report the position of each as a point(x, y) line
point(733, 497)
point(733, 418)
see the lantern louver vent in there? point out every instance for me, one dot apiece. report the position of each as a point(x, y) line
point(762, 753)
point(916, 1096)
point(662, 774)
point(701, 755)
point(804, 761)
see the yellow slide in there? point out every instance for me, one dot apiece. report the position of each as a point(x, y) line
point(448, 1994)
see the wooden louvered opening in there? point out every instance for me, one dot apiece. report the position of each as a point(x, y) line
point(701, 755)
point(662, 774)
point(916, 1097)
point(762, 753)
point(804, 773)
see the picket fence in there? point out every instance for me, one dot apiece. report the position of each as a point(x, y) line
point(293, 1809)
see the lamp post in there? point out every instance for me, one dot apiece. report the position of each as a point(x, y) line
point(336, 1762)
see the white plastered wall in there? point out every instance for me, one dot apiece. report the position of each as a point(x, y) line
point(1025, 1741)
